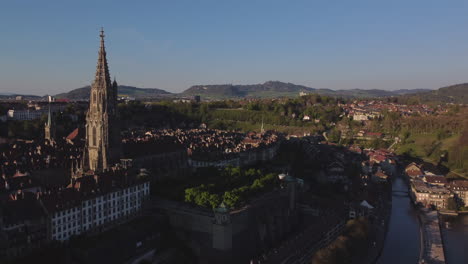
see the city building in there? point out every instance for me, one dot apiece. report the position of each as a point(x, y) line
point(429, 195)
point(414, 170)
point(90, 206)
point(439, 180)
point(236, 235)
point(25, 114)
point(23, 226)
point(380, 176)
point(103, 191)
point(460, 190)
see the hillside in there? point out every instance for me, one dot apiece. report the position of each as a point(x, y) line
point(457, 93)
point(410, 91)
point(277, 89)
point(267, 89)
point(123, 90)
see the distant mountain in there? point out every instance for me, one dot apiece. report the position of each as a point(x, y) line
point(267, 89)
point(411, 91)
point(362, 93)
point(123, 90)
point(457, 93)
point(277, 89)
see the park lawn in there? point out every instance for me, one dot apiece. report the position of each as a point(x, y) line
point(417, 142)
point(456, 174)
point(246, 126)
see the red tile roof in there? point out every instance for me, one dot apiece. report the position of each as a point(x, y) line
point(435, 179)
point(73, 134)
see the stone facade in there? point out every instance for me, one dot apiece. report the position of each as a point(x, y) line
point(102, 144)
point(235, 236)
point(94, 211)
point(460, 190)
point(429, 195)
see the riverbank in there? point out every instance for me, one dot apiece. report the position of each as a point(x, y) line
point(432, 247)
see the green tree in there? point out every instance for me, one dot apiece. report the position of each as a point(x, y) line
point(214, 200)
point(231, 199)
point(334, 135)
point(451, 204)
point(203, 199)
point(191, 194)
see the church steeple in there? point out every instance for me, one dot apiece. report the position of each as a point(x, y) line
point(102, 133)
point(49, 118)
point(48, 128)
point(102, 78)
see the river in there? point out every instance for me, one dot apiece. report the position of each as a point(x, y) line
point(456, 239)
point(402, 242)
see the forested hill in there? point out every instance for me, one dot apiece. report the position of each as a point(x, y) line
point(457, 93)
point(123, 90)
point(267, 89)
point(277, 89)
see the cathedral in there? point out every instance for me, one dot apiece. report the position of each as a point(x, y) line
point(102, 147)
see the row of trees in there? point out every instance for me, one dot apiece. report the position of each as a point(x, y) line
point(236, 187)
point(458, 152)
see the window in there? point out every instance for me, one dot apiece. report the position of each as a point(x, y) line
point(94, 136)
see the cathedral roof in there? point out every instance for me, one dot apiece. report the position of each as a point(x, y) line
point(102, 79)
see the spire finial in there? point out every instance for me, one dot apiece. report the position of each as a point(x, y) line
point(102, 33)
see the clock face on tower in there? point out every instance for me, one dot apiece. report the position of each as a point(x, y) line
point(222, 218)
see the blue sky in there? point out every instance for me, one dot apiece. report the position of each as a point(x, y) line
point(47, 47)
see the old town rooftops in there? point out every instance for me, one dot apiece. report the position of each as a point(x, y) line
point(421, 186)
point(86, 188)
point(458, 185)
point(414, 170)
point(435, 179)
point(73, 134)
point(23, 209)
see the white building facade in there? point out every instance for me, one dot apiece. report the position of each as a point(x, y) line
point(98, 212)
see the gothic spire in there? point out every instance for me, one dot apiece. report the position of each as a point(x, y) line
point(49, 118)
point(102, 70)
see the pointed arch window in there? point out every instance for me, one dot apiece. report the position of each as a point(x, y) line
point(94, 136)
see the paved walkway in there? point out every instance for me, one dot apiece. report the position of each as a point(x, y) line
point(433, 248)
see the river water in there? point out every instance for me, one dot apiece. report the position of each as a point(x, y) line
point(403, 238)
point(402, 242)
point(456, 239)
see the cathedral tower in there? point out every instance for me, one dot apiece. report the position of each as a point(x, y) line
point(102, 147)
